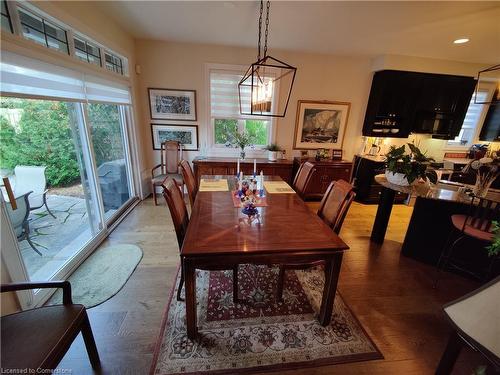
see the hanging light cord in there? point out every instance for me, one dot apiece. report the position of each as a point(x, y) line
point(268, 5)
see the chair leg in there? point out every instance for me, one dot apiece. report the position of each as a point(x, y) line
point(235, 284)
point(154, 194)
point(181, 284)
point(88, 338)
point(26, 230)
point(450, 355)
point(47, 207)
point(281, 282)
point(445, 259)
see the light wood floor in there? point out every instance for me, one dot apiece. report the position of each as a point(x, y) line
point(390, 294)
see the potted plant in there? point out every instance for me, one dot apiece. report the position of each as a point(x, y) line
point(273, 150)
point(241, 140)
point(494, 248)
point(404, 168)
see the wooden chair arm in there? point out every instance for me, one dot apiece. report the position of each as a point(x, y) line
point(65, 285)
point(153, 170)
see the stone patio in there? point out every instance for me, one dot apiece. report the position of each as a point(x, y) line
point(57, 239)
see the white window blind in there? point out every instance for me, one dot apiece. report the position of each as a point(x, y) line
point(471, 121)
point(224, 96)
point(20, 75)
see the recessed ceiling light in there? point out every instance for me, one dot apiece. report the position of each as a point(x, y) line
point(461, 41)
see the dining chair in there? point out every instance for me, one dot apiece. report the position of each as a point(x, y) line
point(332, 210)
point(477, 224)
point(38, 339)
point(302, 178)
point(189, 180)
point(168, 167)
point(179, 213)
point(474, 319)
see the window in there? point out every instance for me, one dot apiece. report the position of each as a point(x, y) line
point(6, 22)
point(225, 111)
point(87, 51)
point(113, 63)
point(471, 122)
point(43, 32)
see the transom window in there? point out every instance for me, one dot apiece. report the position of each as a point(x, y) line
point(225, 111)
point(113, 62)
point(87, 51)
point(6, 22)
point(471, 122)
point(42, 31)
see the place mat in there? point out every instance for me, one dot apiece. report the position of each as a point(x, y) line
point(278, 187)
point(259, 201)
point(213, 185)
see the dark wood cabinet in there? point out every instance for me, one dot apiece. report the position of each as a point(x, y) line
point(491, 127)
point(403, 102)
point(325, 172)
point(227, 166)
point(364, 171)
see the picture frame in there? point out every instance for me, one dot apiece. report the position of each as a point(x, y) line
point(320, 124)
point(187, 135)
point(172, 104)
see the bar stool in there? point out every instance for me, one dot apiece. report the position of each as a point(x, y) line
point(477, 224)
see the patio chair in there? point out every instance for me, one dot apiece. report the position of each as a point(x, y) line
point(32, 178)
point(170, 154)
point(19, 218)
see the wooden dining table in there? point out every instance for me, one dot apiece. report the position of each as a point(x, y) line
point(220, 235)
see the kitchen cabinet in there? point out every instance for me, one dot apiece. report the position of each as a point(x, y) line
point(491, 126)
point(403, 102)
point(326, 171)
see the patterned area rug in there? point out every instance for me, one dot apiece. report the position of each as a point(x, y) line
point(259, 333)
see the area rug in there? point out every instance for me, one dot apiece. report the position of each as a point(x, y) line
point(259, 333)
point(101, 275)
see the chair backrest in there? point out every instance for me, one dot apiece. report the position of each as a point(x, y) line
point(483, 214)
point(177, 207)
point(30, 178)
point(189, 180)
point(169, 153)
point(335, 204)
point(303, 177)
point(19, 215)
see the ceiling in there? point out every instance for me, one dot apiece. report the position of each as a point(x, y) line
point(372, 28)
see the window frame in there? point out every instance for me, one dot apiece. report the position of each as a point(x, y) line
point(450, 145)
point(86, 52)
point(215, 149)
point(113, 56)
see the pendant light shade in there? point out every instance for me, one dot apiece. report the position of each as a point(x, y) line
point(266, 87)
point(489, 76)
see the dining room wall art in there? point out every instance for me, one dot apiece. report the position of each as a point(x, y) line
point(320, 124)
point(172, 104)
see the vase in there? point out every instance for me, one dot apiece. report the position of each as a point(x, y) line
point(272, 155)
point(396, 178)
point(482, 185)
point(242, 154)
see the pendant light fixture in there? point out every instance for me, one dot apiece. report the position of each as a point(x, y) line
point(489, 76)
point(264, 79)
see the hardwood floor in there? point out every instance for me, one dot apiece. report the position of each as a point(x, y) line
point(390, 294)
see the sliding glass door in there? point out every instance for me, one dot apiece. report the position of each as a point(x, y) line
point(67, 176)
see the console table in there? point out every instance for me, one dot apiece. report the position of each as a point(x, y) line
point(227, 166)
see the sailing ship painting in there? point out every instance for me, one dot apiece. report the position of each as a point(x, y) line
point(320, 124)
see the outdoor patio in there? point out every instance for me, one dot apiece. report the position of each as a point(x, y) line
point(57, 239)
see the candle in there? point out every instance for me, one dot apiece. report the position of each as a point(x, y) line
point(180, 146)
point(254, 167)
point(241, 175)
point(238, 168)
point(261, 192)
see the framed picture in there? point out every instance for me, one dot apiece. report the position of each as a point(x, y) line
point(320, 124)
point(187, 135)
point(171, 104)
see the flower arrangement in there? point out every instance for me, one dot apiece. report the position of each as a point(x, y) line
point(241, 140)
point(494, 248)
point(411, 166)
point(486, 169)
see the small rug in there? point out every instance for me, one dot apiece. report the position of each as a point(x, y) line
point(258, 333)
point(101, 275)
